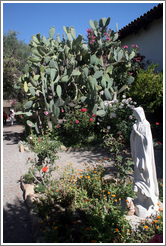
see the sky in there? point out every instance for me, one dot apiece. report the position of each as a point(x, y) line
point(31, 17)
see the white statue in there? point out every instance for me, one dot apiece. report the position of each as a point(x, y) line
point(145, 178)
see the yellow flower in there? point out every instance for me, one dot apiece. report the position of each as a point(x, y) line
point(99, 173)
point(42, 221)
point(155, 221)
point(157, 227)
point(103, 190)
point(158, 217)
point(119, 198)
point(113, 195)
point(81, 176)
point(145, 226)
point(88, 177)
point(116, 200)
point(109, 192)
point(70, 188)
point(96, 178)
point(94, 171)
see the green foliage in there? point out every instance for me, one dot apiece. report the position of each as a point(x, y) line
point(85, 207)
point(147, 89)
point(44, 162)
point(58, 72)
point(78, 125)
point(15, 54)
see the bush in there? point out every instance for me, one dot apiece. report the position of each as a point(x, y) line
point(147, 89)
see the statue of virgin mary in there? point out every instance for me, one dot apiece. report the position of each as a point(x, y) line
point(145, 178)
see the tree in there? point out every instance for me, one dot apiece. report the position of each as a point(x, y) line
point(15, 55)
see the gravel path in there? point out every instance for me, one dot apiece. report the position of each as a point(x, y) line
point(16, 223)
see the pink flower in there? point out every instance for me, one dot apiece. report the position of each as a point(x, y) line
point(93, 115)
point(62, 110)
point(30, 124)
point(45, 112)
point(157, 123)
point(57, 126)
point(40, 126)
point(77, 121)
point(91, 119)
point(133, 45)
point(130, 117)
point(125, 47)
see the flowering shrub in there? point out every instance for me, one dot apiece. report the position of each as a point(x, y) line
point(119, 119)
point(78, 125)
point(85, 207)
point(44, 162)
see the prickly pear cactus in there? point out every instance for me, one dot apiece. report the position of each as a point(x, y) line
point(73, 69)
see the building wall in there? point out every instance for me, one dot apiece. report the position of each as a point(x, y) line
point(150, 41)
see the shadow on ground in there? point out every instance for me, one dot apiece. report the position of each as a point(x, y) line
point(16, 224)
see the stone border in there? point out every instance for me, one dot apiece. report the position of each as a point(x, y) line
point(29, 197)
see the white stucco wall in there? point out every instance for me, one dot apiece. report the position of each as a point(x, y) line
point(150, 41)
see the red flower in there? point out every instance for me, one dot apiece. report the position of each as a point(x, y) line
point(91, 119)
point(83, 109)
point(44, 169)
point(77, 121)
point(58, 126)
point(93, 115)
point(159, 143)
point(157, 123)
point(39, 140)
point(156, 239)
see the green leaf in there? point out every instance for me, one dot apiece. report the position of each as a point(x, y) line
point(69, 36)
point(36, 128)
point(26, 68)
point(56, 111)
point(25, 86)
point(53, 73)
point(73, 32)
point(102, 105)
point(51, 32)
point(124, 87)
point(96, 23)
point(30, 123)
point(115, 37)
point(64, 28)
point(32, 91)
point(86, 70)
point(130, 80)
point(52, 64)
point(104, 21)
point(68, 99)
point(76, 72)
point(97, 74)
point(120, 55)
point(91, 23)
point(42, 68)
point(106, 76)
point(34, 59)
point(131, 56)
point(36, 77)
point(93, 59)
point(28, 104)
point(107, 94)
point(108, 21)
point(59, 90)
point(103, 82)
point(109, 69)
point(110, 83)
point(101, 113)
point(35, 39)
point(36, 53)
point(94, 109)
point(65, 78)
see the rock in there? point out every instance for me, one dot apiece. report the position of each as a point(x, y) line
point(63, 148)
point(21, 148)
point(26, 148)
point(29, 191)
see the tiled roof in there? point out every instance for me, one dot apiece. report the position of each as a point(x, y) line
point(142, 21)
